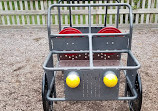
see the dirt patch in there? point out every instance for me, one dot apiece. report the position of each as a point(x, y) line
point(22, 53)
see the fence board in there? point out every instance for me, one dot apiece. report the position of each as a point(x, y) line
point(11, 8)
point(110, 18)
point(137, 15)
point(22, 16)
point(147, 16)
point(27, 16)
point(17, 16)
point(6, 9)
point(152, 7)
point(2, 17)
point(43, 16)
point(156, 16)
point(33, 17)
point(37, 8)
point(142, 15)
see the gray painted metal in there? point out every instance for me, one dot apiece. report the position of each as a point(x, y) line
point(119, 98)
point(91, 86)
point(130, 67)
point(75, 43)
point(99, 43)
point(89, 72)
point(110, 43)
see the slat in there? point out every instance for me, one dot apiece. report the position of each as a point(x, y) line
point(133, 6)
point(65, 2)
point(80, 8)
point(49, 3)
point(126, 16)
point(6, 9)
point(37, 8)
point(27, 16)
point(100, 8)
point(81, 15)
point(2, 17)
point(22, 16)
point(142, 15)
point(81, 19)
point(86, 16)
point(147, 16)
point(55, 2)
point(76, 19)
point(76, 8)
point(17, 16)
point(33, 17)
point(56, 19)
point(61, 19)
point(97, 15)
point(121, 16)
point(43, 16)
point(45, 8)
point(110, 17)
point(152, 7)
point(66, 19)
point(100, 19)
point(137, 15)
point(92, 19)
point(156, 16)
point(100, 16)
point(11, 8)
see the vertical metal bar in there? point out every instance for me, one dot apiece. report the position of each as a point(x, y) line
point(59, 17)
point(106, 11)
point(90, 40)
point(118, 11)
point(90, 51)
point(70, 14)
point(49, 28)
point(131, 27)
point(89, 19)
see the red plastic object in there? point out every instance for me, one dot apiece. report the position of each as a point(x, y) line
point(70, 30)
point(110, 30)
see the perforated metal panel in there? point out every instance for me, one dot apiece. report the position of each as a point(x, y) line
point(91, 87)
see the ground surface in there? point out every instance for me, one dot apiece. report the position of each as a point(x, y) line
point(22, 53)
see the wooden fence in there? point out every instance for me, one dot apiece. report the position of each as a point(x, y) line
point(34, 12)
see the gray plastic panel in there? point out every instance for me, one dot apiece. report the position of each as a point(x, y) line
point(91, 87)
point(70, 43)
point(110, 43)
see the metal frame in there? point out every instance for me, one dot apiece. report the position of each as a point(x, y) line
point(106, 11)
point(130, 70)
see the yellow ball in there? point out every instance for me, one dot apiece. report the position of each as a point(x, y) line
point(110, 80)
point(73, 80)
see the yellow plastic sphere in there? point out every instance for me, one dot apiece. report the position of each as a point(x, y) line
point(110, 80)
point(73, 80)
